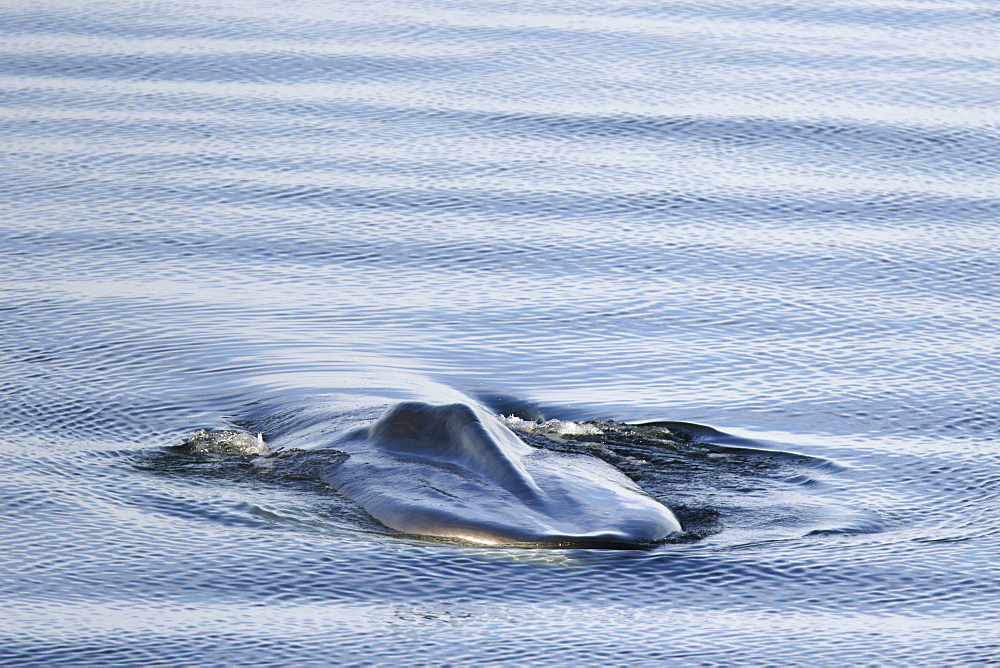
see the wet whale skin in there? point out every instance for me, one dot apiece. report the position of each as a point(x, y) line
point(456, 472)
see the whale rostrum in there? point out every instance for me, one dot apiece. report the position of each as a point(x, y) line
point(457, 472)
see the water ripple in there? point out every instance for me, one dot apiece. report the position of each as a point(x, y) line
point(778, 220)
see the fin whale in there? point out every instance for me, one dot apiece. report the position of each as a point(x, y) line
point(456, 472)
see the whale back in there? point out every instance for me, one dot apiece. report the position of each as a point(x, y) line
point(454, 471)
point(455, 435)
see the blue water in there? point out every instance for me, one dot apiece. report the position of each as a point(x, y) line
point(781, 221)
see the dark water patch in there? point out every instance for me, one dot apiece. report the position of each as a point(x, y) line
point(690, 441)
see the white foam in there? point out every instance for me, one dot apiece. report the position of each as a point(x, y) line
point(552, 428)
point(226, 442)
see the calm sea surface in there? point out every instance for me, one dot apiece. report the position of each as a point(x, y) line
point(778, 220)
